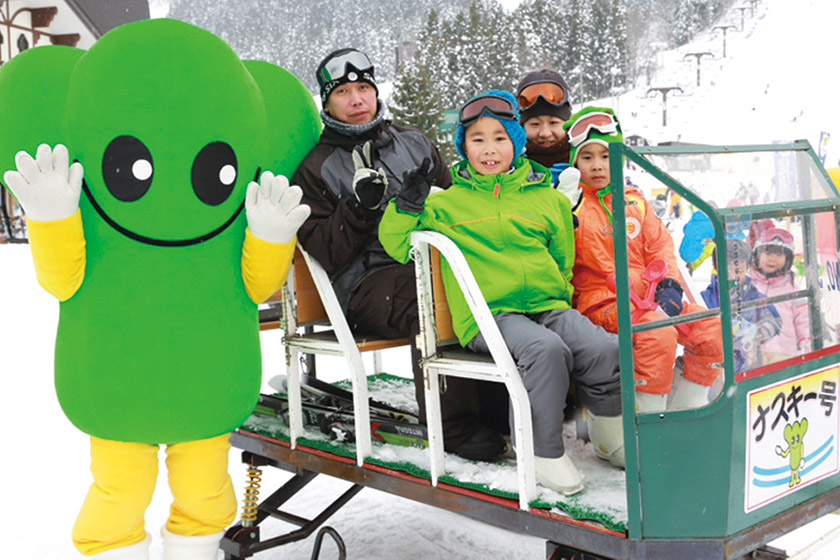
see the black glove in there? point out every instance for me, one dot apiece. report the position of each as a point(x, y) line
point(668, 296)
point(416, 186)
point(368, 184)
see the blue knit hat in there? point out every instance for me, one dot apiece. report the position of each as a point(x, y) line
point(514, 130)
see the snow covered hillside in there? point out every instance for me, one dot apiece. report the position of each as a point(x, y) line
point(775, 84)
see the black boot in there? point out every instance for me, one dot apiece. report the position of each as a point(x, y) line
point(483, 445)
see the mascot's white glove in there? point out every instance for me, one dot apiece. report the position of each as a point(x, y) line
point(47, 187)
point(568, 183)
point(273, 208)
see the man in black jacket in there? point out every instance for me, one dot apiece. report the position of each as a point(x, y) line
point(361, 162)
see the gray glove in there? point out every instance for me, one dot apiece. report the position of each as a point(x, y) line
point(369, 184)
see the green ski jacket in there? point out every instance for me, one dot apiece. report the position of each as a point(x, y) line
point(514, 230)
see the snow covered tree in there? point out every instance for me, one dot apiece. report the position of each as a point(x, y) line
point(587, 40)
point(542, 34)
point(478, 44)
point(687, 20)
point(616, 47)
point(572, 64)
point(417, 100)
point(501, 63)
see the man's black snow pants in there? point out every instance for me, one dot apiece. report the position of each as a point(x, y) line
point(385, 305)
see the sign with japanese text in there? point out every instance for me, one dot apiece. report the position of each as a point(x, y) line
point(792, 432)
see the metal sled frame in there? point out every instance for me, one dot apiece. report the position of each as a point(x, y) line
point(661, 459)
point(666, 460)
point(590, 539)
point(242, 542)
point(309, 299)
point(438, 361)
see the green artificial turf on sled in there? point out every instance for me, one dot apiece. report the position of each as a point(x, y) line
point(602, 500)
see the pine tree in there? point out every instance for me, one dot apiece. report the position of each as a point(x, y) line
point(572, 65)
point(479, 45)
point(687, 21)
point(616, 47)
point(588, 41)
point(417, 101)
point(500, 62)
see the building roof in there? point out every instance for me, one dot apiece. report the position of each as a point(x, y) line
point(100, 17)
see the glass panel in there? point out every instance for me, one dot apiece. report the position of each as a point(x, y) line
point(747, 178)
point(777, 279)
point(782, 280)
point(678, 360)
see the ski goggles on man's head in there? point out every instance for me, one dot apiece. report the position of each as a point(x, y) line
point(493, 104)
point(601, 122)
point(770, 235)
point(336, 67)
point(549, 91)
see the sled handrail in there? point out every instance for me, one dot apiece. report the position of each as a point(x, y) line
point(309, 299)
point(502, 369)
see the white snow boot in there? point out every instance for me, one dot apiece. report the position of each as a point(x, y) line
point(689, 395)
point(560, 475)
point(607, 436)
point(136, 551)
point(180, 547)
point(647, 402)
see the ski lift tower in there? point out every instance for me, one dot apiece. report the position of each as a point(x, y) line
point(698, 55)
point(664, 91)
point(724, 29)
point(743, 9)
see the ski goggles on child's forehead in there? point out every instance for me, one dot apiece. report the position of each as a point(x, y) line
point(493, 104)
point(775, 234)
point(336, 67)
point(604, 123)
point(551, 92)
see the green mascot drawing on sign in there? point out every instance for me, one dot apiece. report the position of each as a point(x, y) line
point(139, 164)
point(796, 449)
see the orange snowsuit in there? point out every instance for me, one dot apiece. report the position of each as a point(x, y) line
point(654, 351)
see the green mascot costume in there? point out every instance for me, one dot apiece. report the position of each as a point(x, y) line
point(152, 171)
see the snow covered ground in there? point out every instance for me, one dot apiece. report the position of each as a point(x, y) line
point(775, 84)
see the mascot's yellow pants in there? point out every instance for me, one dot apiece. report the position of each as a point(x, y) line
point(124, 476)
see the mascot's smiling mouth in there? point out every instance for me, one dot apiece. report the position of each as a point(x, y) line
point(159, 242)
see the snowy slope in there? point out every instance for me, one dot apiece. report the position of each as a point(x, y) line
point(778, 70)
point(777, 83)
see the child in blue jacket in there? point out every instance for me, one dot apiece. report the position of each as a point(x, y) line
point(515, 231)
point(750, 327)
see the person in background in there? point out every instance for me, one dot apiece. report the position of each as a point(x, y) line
point(772, 274)
point(544, 104)
point(504, 216)
point(360, 163)
point(751, 328)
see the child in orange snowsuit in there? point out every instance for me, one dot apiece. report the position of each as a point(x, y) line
point(590, 131)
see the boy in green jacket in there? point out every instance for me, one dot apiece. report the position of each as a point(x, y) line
point(516, 233)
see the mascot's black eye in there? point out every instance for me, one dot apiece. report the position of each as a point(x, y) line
point(127, 168)
point(214, 173)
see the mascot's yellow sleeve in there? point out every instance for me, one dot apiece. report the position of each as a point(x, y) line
point(265, 266)
point(58, 250)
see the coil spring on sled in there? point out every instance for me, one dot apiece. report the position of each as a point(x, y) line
point(252, 493)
